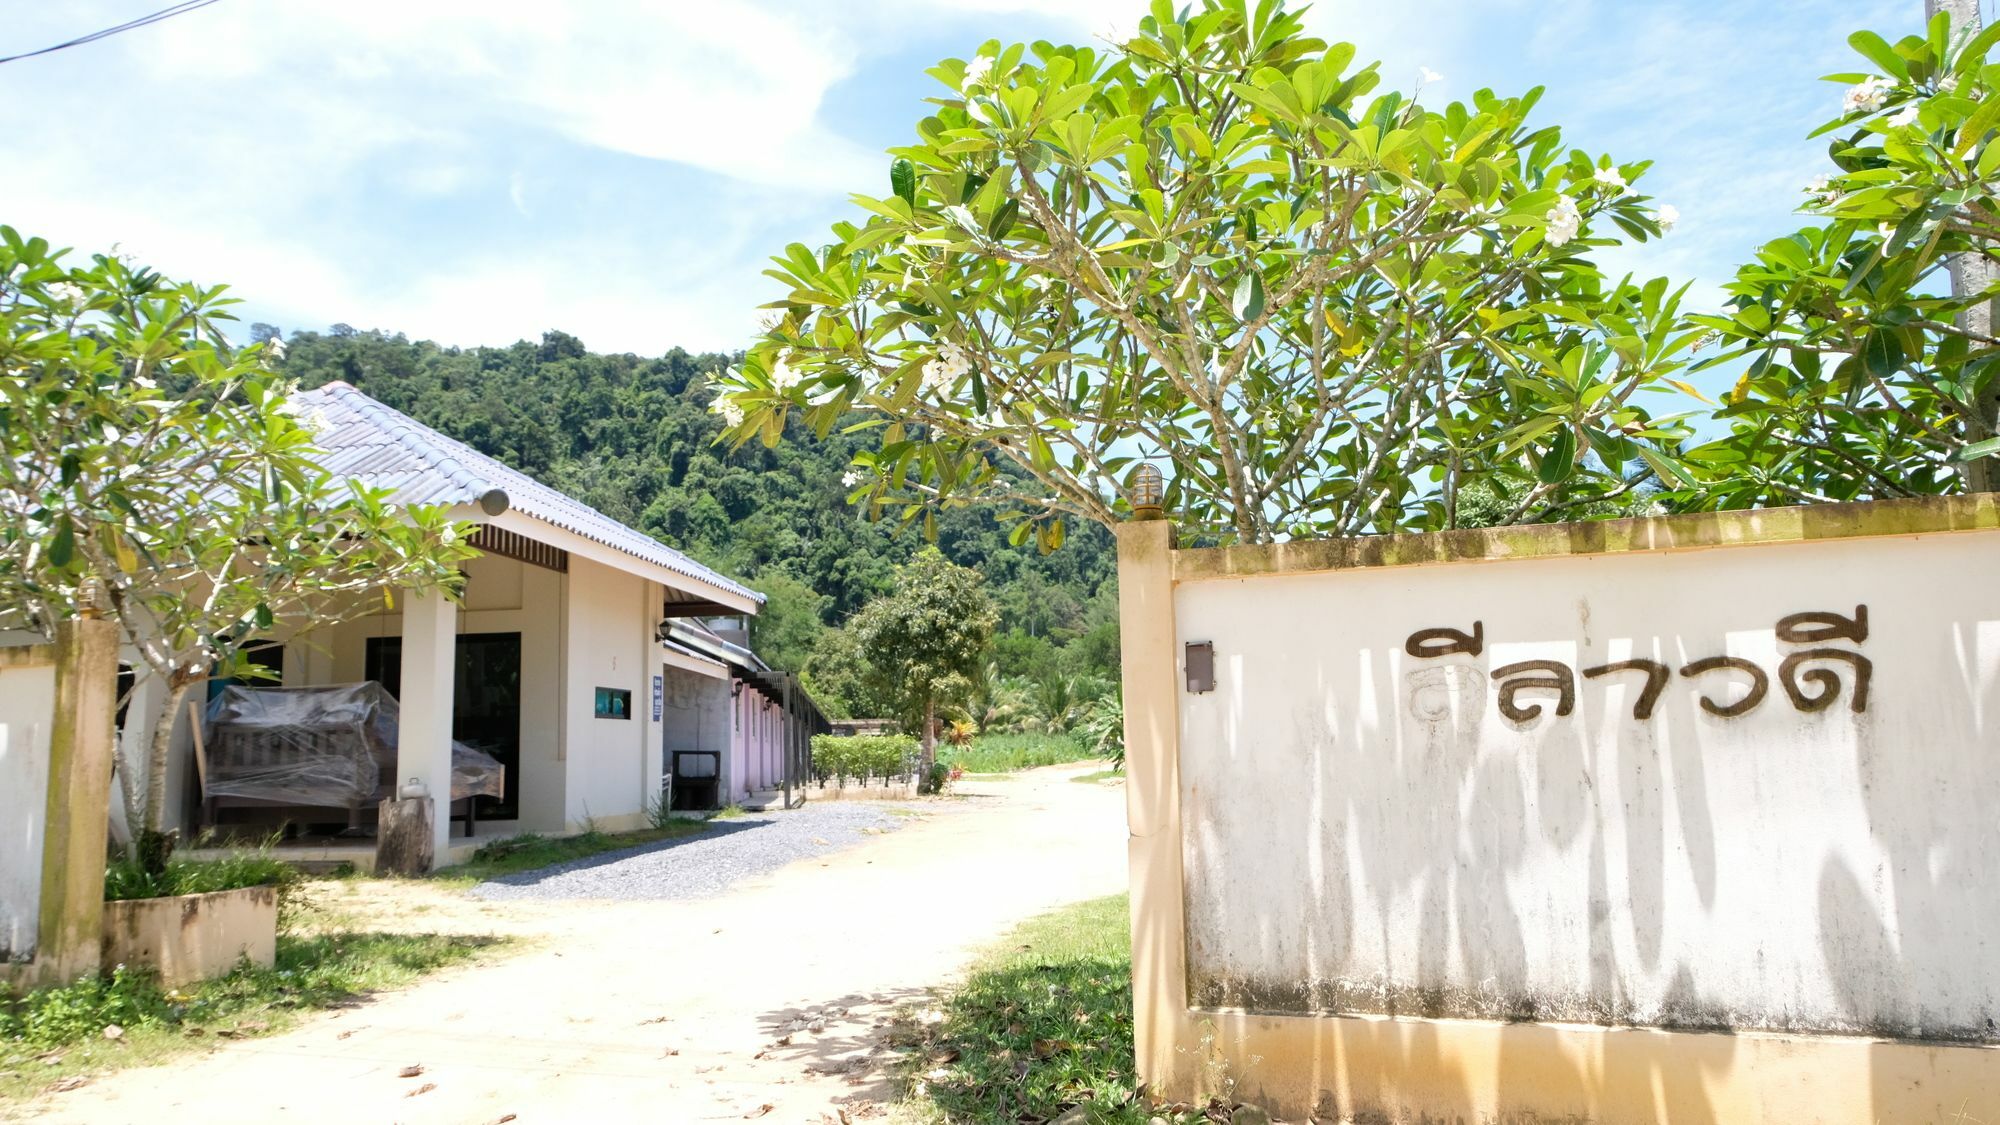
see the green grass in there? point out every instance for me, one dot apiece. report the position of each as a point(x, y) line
point(125, 878)
point(729, 812)
point(528, 852)
point(1002, 753)
point(1099, 777)
point(1042, 1024)
point(58, 1034)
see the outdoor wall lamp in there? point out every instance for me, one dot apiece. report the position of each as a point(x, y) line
point(1149, 491)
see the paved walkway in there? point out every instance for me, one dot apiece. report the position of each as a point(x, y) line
point(764, 1003)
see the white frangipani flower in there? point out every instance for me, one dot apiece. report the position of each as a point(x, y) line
point(1865, 96)
point(783, 375)
point(67, 294)
point(947, 368)
point(1948, 84)
point(975, 73)
point(1905, 116)
point(732, 414)
point(1822, 190)
point(851, 477)
point(1428, 77)
point(1564, 221)
point(770, 320)
point(1666, 217)
point(276, 346)
point(1613, 178)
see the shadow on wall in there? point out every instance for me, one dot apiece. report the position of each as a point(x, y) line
point(1367, 832)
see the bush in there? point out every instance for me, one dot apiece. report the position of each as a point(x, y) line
point(129, 878)
point(863, 756)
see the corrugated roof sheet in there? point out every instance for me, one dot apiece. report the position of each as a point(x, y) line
point(361, 438)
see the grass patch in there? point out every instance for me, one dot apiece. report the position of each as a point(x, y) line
point(516, 854)
point(1100, 777)
point(1043, 1024)
point(1003, 753)
point(730, 812)
point(57, 1036)
point(126, 878)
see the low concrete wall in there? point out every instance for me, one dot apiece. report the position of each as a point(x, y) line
point(27, 707)
point(193, 937)
point(1450, 800)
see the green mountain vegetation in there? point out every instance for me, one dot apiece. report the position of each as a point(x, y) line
point(633, 437)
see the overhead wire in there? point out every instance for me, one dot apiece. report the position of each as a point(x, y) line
point(167, 13)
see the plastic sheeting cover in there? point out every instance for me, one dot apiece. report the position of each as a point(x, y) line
point(330, 746)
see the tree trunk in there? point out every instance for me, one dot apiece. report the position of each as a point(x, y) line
point(155, 811)
point(930, 735)
point(1973, 273)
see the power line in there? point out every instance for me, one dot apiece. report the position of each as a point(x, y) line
point(168, 13)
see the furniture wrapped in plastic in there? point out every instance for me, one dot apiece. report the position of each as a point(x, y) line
point(324, 747)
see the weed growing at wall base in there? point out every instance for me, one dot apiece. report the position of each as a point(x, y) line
point(1043, 1025)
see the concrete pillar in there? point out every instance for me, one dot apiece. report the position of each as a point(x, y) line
point(82, 737)
point(1150, 665)
point(423, 737)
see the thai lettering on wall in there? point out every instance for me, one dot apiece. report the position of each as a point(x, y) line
point(1806, 673)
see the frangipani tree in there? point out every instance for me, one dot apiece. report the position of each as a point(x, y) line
point(1327, 306)
point(151, 472)
point(1866, 377)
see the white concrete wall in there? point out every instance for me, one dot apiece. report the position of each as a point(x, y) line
point(27, 708)
point(613, 764)
point(1364, 831)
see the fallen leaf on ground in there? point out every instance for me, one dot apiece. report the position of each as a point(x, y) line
point(760, 1110)
point(670, 1052)
point(61, 1085)
point(423, 1089)
point(411, 1071)
point(503, 1119)
point(113, 1031)
point(347, 1033)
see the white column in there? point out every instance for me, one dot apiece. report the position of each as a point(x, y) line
point(423, 737)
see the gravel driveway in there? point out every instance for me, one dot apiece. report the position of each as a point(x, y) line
point(729, 852)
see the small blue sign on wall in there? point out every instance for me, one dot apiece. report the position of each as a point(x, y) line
point(659, 696)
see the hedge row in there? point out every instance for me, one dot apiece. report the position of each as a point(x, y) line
point(863, 756)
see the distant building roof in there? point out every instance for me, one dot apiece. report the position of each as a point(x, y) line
point(368, 441)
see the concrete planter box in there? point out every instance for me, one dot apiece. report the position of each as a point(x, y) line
point(193, 937)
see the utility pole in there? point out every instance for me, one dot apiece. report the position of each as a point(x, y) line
point(1972, 272)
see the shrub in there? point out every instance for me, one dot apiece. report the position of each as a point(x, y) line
point(1000, 753)
point(862, 756)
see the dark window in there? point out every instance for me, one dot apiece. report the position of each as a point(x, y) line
point(614, 703)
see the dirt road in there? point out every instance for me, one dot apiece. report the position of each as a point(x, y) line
point(765, 1003)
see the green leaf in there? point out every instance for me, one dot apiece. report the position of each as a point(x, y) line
point(62, 548)
point(1882, 353)
point(1559, 461)
point(1878, 51)
point(1979, 449)
point(1248, 301)
point(903, 180)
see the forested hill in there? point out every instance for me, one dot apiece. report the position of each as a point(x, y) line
point(633, 437)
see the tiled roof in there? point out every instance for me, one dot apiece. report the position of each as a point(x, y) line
point(363, 439)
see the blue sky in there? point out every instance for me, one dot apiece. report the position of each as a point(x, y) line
point(479, 171)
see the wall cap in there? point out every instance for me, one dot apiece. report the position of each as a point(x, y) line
point(1691, 532)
